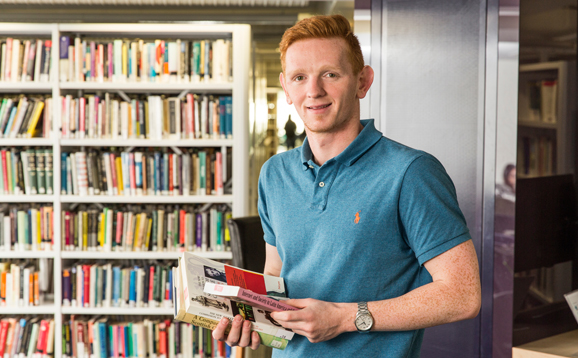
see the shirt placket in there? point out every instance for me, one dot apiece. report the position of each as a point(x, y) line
point(322, 184)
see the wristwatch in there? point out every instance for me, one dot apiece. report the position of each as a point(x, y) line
point(363, 319)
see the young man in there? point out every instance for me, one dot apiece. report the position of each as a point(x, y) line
point(366, 232)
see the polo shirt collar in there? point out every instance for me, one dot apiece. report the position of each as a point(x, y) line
point(361, 144)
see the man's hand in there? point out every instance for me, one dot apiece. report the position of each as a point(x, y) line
point(317, 320)
point(240, 334)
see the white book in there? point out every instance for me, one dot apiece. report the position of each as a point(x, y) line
point(34, 229)
point(124, 108)
point(20, 117)
point(186, 174)
point(16, 300)
point(109, 284)
point(50, 344)
point(91, 117)
point(139, 287)
point(24, 159)
point(81, 173)
point(204, 116)
point(2, 62)
point(26, 289)
point(144, 58)
point(7, 227)
point(171, 330)
point(75, 182)
point(92, 287)
point(33, 339)
point(115, 117)
point(38, 60)
point(78, 57)
point(9, 290)
point(108, 173)
point(71, 63)
point(14, 61)
point(109, 233)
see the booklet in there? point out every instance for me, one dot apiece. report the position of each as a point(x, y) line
point(572, 299)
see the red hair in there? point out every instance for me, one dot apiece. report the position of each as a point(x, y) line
point(333, 26)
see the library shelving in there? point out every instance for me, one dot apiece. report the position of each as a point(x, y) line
point(56, 85)
point(545, 119)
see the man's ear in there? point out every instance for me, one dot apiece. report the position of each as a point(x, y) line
point(364, 81)
point(282, 80)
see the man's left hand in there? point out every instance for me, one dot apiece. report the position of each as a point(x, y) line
point(317, 320)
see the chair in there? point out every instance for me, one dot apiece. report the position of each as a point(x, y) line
point(247, 244)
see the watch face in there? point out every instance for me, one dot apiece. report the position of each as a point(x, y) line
point(363, 322)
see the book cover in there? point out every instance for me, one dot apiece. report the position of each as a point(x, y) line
point(246, 296)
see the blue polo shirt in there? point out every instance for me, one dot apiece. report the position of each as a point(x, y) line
point(358, 228)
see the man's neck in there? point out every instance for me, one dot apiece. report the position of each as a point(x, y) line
point(325, 146)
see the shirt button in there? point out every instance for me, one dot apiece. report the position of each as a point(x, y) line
point(311, 166)
point(321, 184)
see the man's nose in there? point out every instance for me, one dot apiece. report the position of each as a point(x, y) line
point(315, 88)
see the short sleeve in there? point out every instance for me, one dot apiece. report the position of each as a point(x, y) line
point(269, 235)
point(430, 215)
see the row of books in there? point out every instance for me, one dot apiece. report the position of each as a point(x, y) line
point(137, 60)
point(116, 285)
point(147, 228)
point(151, 117)
point(26, 171)
point(539, 101)
point(536, 156)
point(22, 283)
point(103, 337)
point(25, 117)
point(27, 227)
point(27, 337)
point(159, 172)
point(25, 60)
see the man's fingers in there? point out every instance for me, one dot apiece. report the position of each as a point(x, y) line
point(219, 331)
point(235, 333)
point(255, 340)
point(245, 340)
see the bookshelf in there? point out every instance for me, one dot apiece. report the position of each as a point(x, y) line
point(237, 88)
point(546, 122)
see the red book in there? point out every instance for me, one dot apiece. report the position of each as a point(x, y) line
point(131, 173)
point(171, 172)
point(67, 229)
point(121, 348)
point(162, 338)
point(190, 116)
point(151, 283)
point(250, 280)
point(86, 270)
point(110, 61)
point(113, 174)
point(219, 174)
point(42, 337)
point(119, 218)
point(182, 220)
point(3, 334)
point(249, 297)
point(5, 172)
point(82, 109)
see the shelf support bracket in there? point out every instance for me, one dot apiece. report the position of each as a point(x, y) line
point(123, 96)
point(183, 94)
point(177, 150)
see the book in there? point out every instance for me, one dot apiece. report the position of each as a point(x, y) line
point(249, 297)
point(196, 271)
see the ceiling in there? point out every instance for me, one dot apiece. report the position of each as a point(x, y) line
point(548, 30)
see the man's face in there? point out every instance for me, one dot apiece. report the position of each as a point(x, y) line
point(320, 82)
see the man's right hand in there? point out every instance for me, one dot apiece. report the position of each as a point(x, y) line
point(240, 334)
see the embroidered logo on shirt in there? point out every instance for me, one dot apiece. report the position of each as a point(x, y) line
point(357, 217)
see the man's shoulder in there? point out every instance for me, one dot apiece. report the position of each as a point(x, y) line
point(398, 153)
point(289, 160)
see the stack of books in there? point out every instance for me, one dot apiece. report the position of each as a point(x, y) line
point(23, 283)
point(134, 336)
point(146, 172)
point(117, 285)
point(150, 117)
point(26, 227)
point(25, 60)
point(25, 117)
point(156, 228)
point(138, 60)
point(203, 299)
point(26, 337)
point(26, 171)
